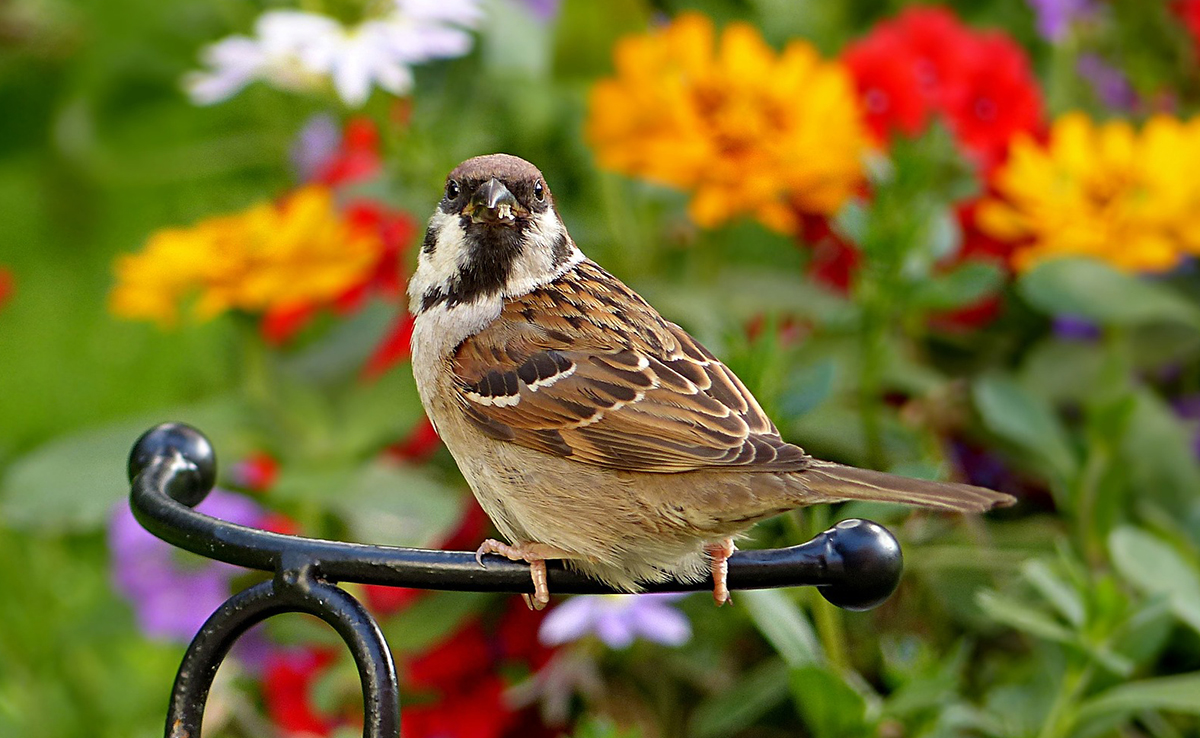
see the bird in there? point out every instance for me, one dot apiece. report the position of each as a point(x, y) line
point(591, 429)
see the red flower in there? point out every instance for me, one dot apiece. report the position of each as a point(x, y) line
point(833, 260)
point(463, 657)
point(6, 285)
point(255, 473)
point(280, 523)
point(885, 67)
point(1188, 11)
point(471, 528)
point(383, 600)
point(393, 349)
point(935, 38)
point(461, 673)
point(992, 98)
point(517, 635)
point(926, 61)
point(287, 682)
point(976, 244)
point(357, 159)
point(474, 710)
point(420, 444)
point(396, 230)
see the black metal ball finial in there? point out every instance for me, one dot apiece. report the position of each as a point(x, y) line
point(869, 559)
point(190, 485)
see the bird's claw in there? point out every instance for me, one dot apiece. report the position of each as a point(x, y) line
point(719, 554)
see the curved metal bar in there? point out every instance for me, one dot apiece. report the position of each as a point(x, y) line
point(856, 564)
point(293, 590)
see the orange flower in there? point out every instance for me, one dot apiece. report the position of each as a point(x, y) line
point(273, 256)
point(746, 129)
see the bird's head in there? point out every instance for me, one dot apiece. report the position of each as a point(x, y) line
point(494, 233)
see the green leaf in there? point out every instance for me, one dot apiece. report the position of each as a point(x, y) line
point(1026, 421)
point(928, 681)
point(1057, 592)
point(751, 697)
point(1156, 568)
point(965, 285)
point(1158, 452)
point(784, 625)
point(830, 707)
point(515, 42)
point(1063, 371)
point(341, 352)
point(397, 505)
point(1023, 617)
point(73, 482)
point(1145, 632)
point(852, 221)
point(1093, 290)
point(1173, 693)
point(375, 413)
point(807, 387)
point(431, 619)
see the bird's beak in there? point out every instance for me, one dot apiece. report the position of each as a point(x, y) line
point(493, 203)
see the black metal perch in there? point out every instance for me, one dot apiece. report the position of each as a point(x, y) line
point(855, 565)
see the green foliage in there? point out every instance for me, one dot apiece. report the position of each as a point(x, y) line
point(1092, 290)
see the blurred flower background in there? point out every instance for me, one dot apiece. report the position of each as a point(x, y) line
point(952, 240)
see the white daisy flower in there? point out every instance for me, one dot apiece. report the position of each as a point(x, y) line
point(296, 50)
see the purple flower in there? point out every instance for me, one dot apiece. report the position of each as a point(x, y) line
point(544, 10)
point(1054, 17)
point(316, 143)
point(1188, 408)
point(172, 591)
point(1108, 82)
point(1074, 328)
point(617, 620)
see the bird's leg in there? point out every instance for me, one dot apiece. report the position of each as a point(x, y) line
point(535, 554)
point(718, 554)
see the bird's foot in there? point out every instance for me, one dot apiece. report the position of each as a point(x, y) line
point(718, 554)
point(534, 554)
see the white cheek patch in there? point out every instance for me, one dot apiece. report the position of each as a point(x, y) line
point(536, 265)
point(438, 269)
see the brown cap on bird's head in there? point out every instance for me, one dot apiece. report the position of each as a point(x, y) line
point(504, 167)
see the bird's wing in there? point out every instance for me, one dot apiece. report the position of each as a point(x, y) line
point(586, 369)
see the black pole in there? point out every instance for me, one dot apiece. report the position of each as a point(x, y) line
point(855, 565)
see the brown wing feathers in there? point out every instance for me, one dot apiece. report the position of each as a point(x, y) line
point(584, 368)
point(589, 370)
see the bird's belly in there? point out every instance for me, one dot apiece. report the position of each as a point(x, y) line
point(619, 527)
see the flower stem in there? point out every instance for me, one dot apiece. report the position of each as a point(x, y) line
point(1060, 719)
point(871, 357)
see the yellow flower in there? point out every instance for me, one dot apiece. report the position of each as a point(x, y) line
point(748, 130)
point(1129, 198)
point(297, 252)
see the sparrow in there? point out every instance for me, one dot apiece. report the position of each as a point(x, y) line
point(590, 428)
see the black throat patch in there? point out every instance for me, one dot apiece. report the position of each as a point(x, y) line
point(491, 252)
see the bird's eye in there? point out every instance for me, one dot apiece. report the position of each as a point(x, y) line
point(452, 190)
point(539, 191)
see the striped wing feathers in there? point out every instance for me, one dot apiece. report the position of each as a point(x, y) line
point(584, 368)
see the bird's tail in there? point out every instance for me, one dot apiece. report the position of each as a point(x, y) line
point(833, 482)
